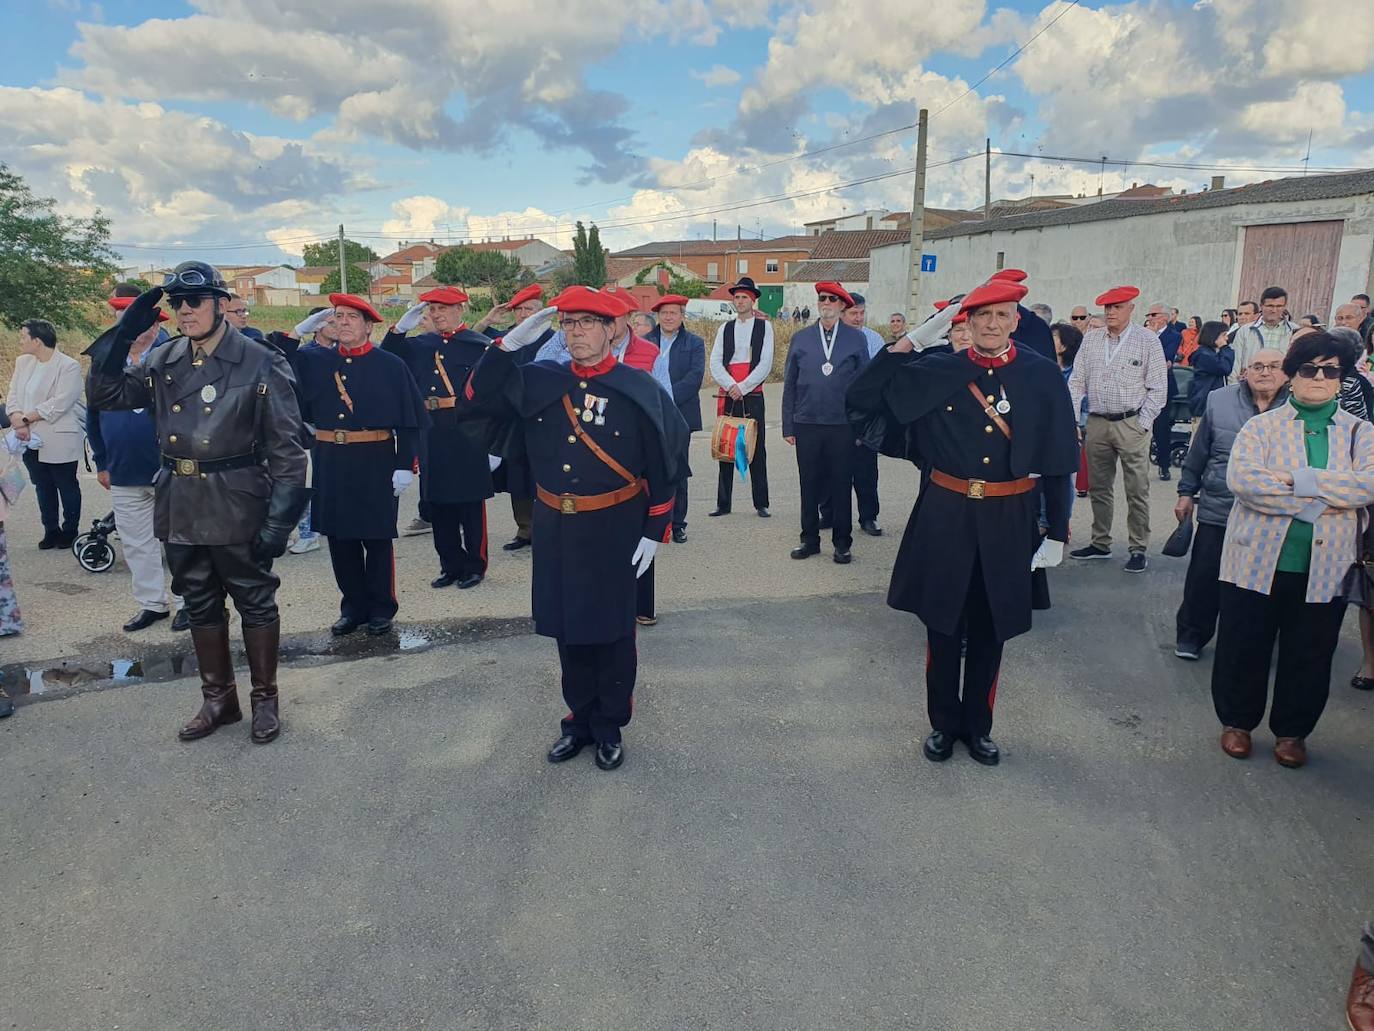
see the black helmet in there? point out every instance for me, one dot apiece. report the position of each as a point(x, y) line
point(195, 277)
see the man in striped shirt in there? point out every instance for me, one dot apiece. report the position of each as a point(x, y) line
point(1122, 372)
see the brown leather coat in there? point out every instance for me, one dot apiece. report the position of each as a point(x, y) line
point(239, 402)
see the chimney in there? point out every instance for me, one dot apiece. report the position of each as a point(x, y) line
point(1218, 182)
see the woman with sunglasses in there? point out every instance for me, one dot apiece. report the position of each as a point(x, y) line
point(1300, 473)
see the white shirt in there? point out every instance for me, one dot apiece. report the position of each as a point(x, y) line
point(875, 342)
point(744, 335)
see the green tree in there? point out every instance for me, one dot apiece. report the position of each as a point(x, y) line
point(358, 281)
point(676, 284)
point(327, 253)
point(51, 267)
point(497, 272)
point(589, 257)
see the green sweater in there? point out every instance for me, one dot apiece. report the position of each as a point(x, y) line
point(1296, 554)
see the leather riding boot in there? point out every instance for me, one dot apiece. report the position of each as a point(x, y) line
point(262, 645)
point(221, 704)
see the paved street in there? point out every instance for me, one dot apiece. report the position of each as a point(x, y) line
point(775, 854)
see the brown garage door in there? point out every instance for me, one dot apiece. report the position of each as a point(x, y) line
point(1298, 256)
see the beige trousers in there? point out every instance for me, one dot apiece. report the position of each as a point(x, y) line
point(1106, 442)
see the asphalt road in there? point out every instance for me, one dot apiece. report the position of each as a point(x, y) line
point(774, 854)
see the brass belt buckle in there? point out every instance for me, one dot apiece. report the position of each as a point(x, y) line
point(431, 403)
point(186, 466)
point(568, 505)
point(340, 436)
point(975, 489)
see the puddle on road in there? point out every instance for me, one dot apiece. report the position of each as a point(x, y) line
point(61, 677)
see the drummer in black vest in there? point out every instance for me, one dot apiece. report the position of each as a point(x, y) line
point(513, 475)
point(989, 428)
point(608, 449)
point(741, 360)
point(368, 418)
point(455, 475)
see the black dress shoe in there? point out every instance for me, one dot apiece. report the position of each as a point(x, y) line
point(145, 619)
point(608, 757)
point(344, 626)
point(939, 746)
point(444, 580)
point(871, 527)
point(181, 622)
point(843, 558)
point(719, 512)
point(468, 580)
point(49, 540)
point(1164, 474)
point(6, 707)
point(516, 545)
point(764, 513)
point(378, 627)
point(1360, 683)
point(679, 536)
point(805, 551)
point(984, 750)
point(565, 748)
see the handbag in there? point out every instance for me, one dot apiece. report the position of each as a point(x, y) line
point(1358, 586)
point(726, 432)
point(12, 478)
point(1180, 540)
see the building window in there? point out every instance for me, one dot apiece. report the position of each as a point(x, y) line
point(712, 270)
point(1001, 260)
point(743, 266)
point(771, 265)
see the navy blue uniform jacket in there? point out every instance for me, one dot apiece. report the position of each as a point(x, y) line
point(513, 476)
point(686, 370)
point(583, 589)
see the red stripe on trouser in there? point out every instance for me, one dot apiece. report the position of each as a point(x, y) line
point(992, 691)
point(393, 573)
point(483, 549)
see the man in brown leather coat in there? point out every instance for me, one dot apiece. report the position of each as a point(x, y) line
point(232, 483)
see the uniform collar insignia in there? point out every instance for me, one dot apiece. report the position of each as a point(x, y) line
point(605, 365)
point(996, 361)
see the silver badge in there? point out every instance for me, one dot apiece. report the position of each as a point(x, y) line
point(208, 393)
point(1003, 406)
point(588, 415)
point(827, 369)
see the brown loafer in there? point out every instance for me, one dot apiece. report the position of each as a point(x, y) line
point(1236, 742)
point(1359, 1004)
point(1290, 752)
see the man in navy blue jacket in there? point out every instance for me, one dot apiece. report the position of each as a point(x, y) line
point(124, 445)
point(685, 353)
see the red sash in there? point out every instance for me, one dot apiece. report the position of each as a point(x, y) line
point(738, 371)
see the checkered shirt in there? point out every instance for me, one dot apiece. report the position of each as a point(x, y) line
point(1135, 378)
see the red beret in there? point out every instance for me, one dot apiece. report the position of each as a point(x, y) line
point(1007, 275)
point(1118, 295)
point(961, 317)
point(589, 300)
point(668, 299)
point(995, 292)
point(838, 291)
point(529, 293)
point(120, 303)
point(355, 302)
point(444, 295)
point(941, 305)
point(626, 299)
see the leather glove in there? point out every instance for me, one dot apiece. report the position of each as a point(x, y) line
point(1048, 555)
point(934, 328)
point(528, 331)
point(643, 556)
point(284, 510)
point(400, 480)
point(139, 317)
point(412, 317)
point(311, 323)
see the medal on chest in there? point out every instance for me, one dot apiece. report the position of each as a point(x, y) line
point(828, 346)
point(208, 393)
point(594, 409)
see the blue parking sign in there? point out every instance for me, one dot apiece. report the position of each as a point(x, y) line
point(927, 263)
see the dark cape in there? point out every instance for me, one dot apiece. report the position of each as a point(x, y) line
point(1033, 333)
point(514, 477)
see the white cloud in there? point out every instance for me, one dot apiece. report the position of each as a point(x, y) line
point(717, 75)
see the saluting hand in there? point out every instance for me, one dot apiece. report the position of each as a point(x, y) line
point(412, 317)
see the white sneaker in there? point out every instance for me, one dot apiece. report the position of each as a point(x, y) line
point(417, 526)
point(305, 544)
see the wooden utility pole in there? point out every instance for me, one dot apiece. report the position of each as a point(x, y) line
point(987, 178)
point(343, 270)
point(918, 223)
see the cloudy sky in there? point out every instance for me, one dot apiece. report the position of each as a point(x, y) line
point(239, 130)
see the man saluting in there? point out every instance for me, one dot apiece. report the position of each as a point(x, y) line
point(608, 449)
point(987, 427)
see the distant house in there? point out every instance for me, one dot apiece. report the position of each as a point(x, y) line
point(841, 256)
point(625, 271)
point(309, 278)
point(871, 219)
point(532, 253)
point(724, 261)
point(263, 284)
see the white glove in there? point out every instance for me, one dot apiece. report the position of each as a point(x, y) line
point(492, 462)
point(400, 480)
point(643, 556)
point(1048, 555)
point(528, 331)
point(311, 323)
point(933, 329)
point(412, 317)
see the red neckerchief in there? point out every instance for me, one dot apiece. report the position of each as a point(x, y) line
point(462, 326)
point(984, 362)
point(605, 365)
point(356, 352)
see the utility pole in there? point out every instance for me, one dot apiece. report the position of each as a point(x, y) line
point(987, 178)
point(343, 271)
point(918, 222)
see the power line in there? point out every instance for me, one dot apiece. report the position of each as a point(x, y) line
point(1189, 166)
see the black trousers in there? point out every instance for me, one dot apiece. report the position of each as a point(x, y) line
point(52, 483)
point(752, 408)
point(1196, 621)
point(1163, 429)
point(1366, 959)
point(1306, 633)
point(365, 571)
point(523, 511)
point(204, 573)
point(460, 536)
point(644, 592)
point(825, 460)
point(970, 715)
point(598, 687)
point(865, 486)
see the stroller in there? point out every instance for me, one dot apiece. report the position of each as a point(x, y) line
point(1181, 417)
point(93, 548)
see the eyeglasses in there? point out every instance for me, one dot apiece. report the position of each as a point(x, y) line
point(1310, 370)
point(189, 300)
point(1266, 366)
point(587, 323)
point(826, 297)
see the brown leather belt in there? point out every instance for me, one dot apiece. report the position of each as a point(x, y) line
point(571, 504)
point(440, 402)
point(979, 489)
point(352, 436)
